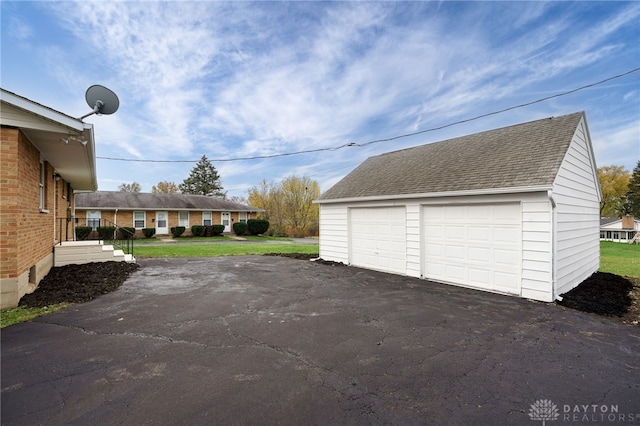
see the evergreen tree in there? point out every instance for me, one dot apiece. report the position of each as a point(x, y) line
point(633, 194)
point(203, 180)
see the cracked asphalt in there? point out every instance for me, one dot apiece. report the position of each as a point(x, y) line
point(273, 340)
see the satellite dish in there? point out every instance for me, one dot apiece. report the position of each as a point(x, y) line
point(102, 100)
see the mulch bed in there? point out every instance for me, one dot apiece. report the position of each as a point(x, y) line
point(601, 294)
point(78, 283)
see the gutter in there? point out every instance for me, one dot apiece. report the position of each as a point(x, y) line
point(487, 191)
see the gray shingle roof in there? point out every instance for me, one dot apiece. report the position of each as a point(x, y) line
point(149, 201)
point(522, 155)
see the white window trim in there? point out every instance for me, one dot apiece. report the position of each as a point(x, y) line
point(42, 188)
point(243, 217)
point(89, 218)
point(144, 219)
point(188, 218)
point(210, 218)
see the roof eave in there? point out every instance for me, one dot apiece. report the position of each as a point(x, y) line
point(488, 191)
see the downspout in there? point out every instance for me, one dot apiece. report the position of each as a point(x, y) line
point(55, 195)
point(553, 245)
point(115, 217)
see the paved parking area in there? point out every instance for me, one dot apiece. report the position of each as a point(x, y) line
point(271, 340)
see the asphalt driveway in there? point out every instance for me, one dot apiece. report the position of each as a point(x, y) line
point(271, 340)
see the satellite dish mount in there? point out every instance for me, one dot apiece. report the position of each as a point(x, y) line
point(102, 100)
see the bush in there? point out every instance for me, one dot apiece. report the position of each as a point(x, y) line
point(127, 232)
point(240, 228)
point(176, 231)
point(106, 232)
point(198, 230)
point(217, 229)
point(257, 226)
point(82, 232)
point(149, 232)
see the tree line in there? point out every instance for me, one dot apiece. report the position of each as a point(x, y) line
point(620, 191)
point(288, 205)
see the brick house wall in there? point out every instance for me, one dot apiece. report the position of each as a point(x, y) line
point(27, 231)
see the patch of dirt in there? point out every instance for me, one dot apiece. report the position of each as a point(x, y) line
point(601, 294)
point(78, 283)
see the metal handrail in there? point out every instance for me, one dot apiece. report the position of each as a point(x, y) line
point(81, 229)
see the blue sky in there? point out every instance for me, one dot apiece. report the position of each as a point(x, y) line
point(240, 79)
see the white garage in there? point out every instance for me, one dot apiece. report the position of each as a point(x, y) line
point(512, 210)
point(475, 245)
point(378, 238)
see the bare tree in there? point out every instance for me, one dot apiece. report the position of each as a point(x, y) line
point(130, 187)
point(288, 205)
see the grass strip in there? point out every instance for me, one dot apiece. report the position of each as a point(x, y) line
point(214, 250)
point(21, 313)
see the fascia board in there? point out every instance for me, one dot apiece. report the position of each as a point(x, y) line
point(489, 191)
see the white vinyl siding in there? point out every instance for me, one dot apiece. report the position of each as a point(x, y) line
point(334, 233)
point(577, 245)
point(183, 219)
point(139, 219)
point(537, 268)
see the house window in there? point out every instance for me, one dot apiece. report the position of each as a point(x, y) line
point(42, 186)
point(242, 217)
point(183, 219)
point(616, 235)
point(93, 219)
point(206, 218)
point(602, 234)
point(138, 220)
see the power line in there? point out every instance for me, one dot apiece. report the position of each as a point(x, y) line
point(406, 135)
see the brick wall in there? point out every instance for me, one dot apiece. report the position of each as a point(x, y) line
point(9, 206)
point(28, 231)
point(35, 228)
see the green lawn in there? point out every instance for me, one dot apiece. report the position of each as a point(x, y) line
point(211, 250)
point(620, 258)
point(20, 314)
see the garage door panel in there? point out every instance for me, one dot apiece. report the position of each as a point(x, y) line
point(454, 252)
point(456, 273)
point(377, 238)
point(480, 254)
point(480, 245)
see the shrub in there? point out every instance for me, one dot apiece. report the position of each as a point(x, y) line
point(127, 232)
point(257, 226)
point(176, 231)
point(198, 230)
point(149, 232)
point(82, 232)
point(240, 228)
point(217, 229)
point(106, 232)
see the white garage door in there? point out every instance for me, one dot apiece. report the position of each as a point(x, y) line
point(474, 245)
point(377, 239)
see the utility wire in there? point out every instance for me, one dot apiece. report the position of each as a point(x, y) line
point(406, 135)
